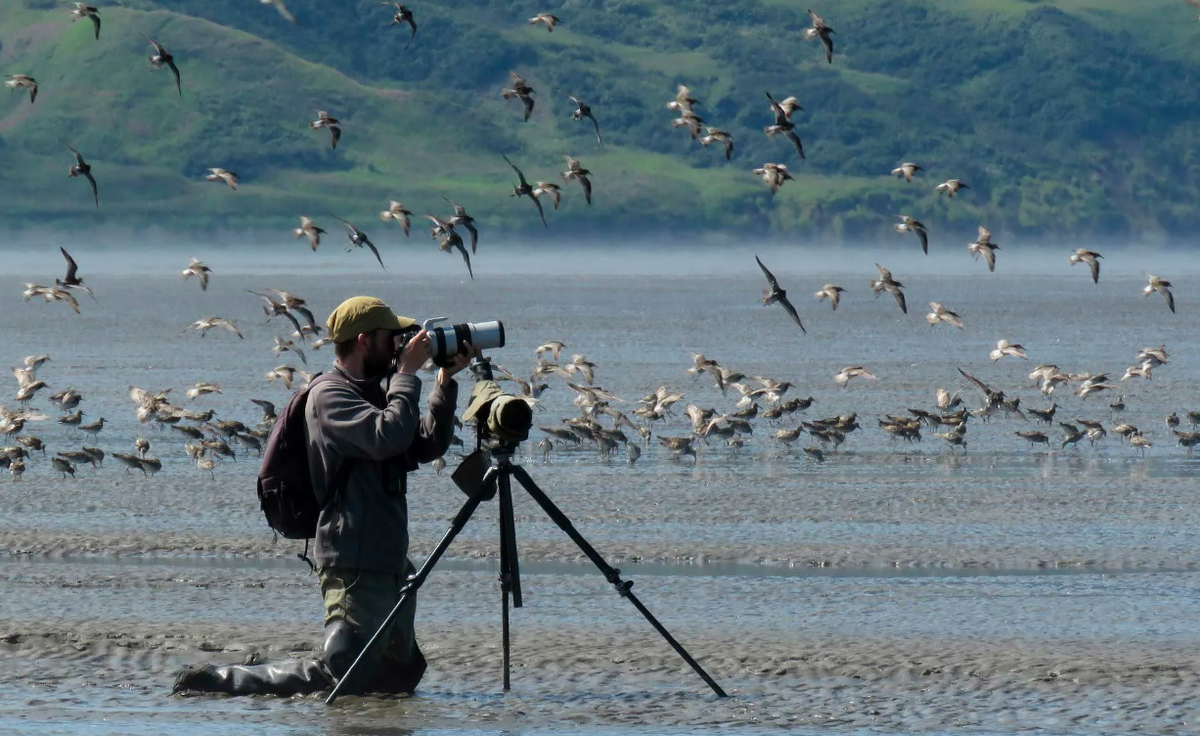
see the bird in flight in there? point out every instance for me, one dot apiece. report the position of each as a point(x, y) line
point(521, 90)
point(1163, 287)
point(81, 11)
point(161, 57)
point(548, 19)
point(1091, 258)
point(776, 295)
point(524, 189)
point(909, 225)
point(821, 31)
point(583, 110)
point(404, 15)
point(333, 124)
point(358, 239)
point(72, 280)
point(17, 81)
point(84, 169)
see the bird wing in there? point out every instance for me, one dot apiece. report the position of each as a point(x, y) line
point(474, 239)
point(72, 267)
point(899, 298)
point(78, 156)
point(884, 274)
point(1095, 266)
point(587, 188)
point(528, 102)
point(413, 35)
point(770, 276)
point(597, 124)
point(344, 222)
point(465, 256)
point(787, 306)
point(989, 255)
point(777, 111)
point(296, 324)
point(795, 139)
point(828, 41)
point(924, 236)
point(987, 391)
point(175, 71)
point(95, 192)
point(336, 134)
point(1168, 296)
point(96, 23)
point(514, 168)
point(376, 252)
point(538, 203)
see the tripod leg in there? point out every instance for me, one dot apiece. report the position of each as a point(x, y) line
point(456, 526)
point(611, 574)
point(506, 574)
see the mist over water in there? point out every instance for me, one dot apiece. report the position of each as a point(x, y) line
point(924, 583)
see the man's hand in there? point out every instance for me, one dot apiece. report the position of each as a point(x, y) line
point(416, 352)
point(461, 361)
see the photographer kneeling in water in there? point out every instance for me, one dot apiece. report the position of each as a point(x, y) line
point(362, 441)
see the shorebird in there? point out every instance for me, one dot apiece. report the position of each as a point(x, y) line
point(1162, 287)
point(891, 286)
point(51, 294)
point(554, 347)
point(714, 135)
point(983, 246)
point(142, 445)
point(358, 239)
point(282, 345)
point(783, 124)
point(525, 190)
point(776, 295)
point(450, 240)
point(397, 212)
point(1004, 347)
point(18, 81)
point(93, 428)
point(283, 10)
point(941, 314)
point(71, 280)
point(1045, 416)
point(161, 57)
point(822, 31)
point(1158, 356)
point(462, 218)
point(208, 323)
point(219, 174)
point(1034, 437)
point(575, 172)
point(333, 125)
point(548, 189)
point(84, 169)
point(907, 170)
point(693, 122)
point(583, 110)
point(683, 100)
point(831, 292)
point(522, 91)
point(845, 375)
point(1091, 258)
point(678, 446)
point(202, 388)
point(909, 225)
point(403, 15)
point(774, 175)
point(1185, 439)
point(81, 11)
point(310, 230)
point(947, 401)
point(549, 20)
point(1140, 442)
point(199, 270)
point(992, 398)
point(129, 461)
point(951, 187)
point(63, 466)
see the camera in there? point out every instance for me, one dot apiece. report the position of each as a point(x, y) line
point(447, 342)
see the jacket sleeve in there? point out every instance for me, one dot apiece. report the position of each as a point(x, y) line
point(356, 428)
point(437, 426)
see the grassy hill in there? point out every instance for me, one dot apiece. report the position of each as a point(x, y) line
point(1069, 118)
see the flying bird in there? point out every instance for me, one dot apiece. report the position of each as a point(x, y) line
point(951, 187)
point(450, 239)
point(219, 174)
point(983, 246)
point(462, 218)
point(17, 81)
point(941, 314)
point(208, 323)
point(397, 212)
point(890, 285)
point(578, 173)
point(309, 229)
point(1091, 258)
point(84, 169)
point(545, 18)
point(909, 225)
point(715, 135)
point(81, 11)
point(403, 15)
point(72, 280)
point(1004, 347)
point(199, 270)
point(1162, 287)
point(774, 175)
point(821, 31)
point(548, 189)
point(332, 124)
point(776, 295)
point(583, 110)
point(358, 239)
point(844, 376)
point(907, 170)
point(783, 124)
point(832, 293)
point(521, 90)
point(161, 57)
point(525, 190)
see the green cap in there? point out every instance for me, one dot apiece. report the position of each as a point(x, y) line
point(361, 315)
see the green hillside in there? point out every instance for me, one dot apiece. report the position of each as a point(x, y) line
point(1068, 118)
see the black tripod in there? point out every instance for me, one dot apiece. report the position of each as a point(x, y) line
point(498, 478)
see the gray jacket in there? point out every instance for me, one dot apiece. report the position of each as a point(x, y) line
point(384, 436)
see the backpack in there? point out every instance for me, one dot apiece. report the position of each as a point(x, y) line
point(285, 488)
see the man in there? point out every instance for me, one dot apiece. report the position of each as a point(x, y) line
point(362, 442)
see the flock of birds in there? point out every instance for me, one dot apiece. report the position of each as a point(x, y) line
point(210, 441)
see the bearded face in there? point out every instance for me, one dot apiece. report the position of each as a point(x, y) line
point(378, 358)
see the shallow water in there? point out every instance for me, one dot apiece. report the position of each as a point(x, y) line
point(893, 587)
